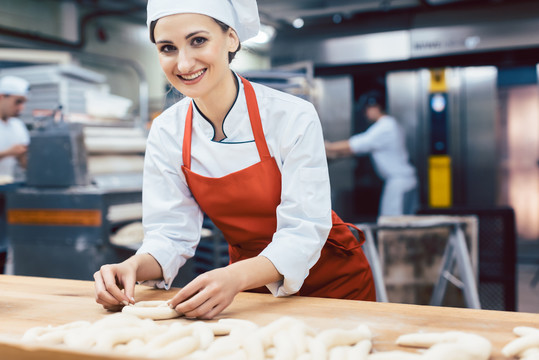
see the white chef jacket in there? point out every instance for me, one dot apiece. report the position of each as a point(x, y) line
point(12, 132)
point(385, 141)
point(172, 219)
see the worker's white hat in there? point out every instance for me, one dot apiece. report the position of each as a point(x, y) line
point(241, 15)
point(14, 85)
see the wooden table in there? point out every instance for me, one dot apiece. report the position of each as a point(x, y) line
point(26, 302)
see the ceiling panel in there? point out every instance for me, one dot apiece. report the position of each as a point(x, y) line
point(281, 13)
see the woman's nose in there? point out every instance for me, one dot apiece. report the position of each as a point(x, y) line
point(185, 62)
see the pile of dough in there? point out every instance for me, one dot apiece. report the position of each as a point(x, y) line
point(526, 346)
point(285, 338)
point(441, 346)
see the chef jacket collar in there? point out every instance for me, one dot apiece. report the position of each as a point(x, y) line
point(236, 117)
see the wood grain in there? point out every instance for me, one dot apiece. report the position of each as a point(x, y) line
point(26, 302)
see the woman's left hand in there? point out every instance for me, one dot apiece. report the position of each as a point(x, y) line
point(207, 295)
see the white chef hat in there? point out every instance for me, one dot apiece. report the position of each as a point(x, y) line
point(13, 85)
point(241, 15)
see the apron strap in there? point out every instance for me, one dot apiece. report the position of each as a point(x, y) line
point(186, 149)
point(256, 122)
point(360, 233)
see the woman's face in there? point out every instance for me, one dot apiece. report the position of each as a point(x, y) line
point(193, 52)
point(373, 113)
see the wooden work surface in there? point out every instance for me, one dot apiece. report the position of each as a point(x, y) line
point(26, 302)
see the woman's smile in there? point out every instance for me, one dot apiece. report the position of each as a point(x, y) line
point(192, 78)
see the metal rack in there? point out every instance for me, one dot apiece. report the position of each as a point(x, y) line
point(456, 251)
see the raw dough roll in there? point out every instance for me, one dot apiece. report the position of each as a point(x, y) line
point(155, 310)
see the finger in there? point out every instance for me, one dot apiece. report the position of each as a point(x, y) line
point(102, 296)
point(192, 305)
point(109, 279)
point(200, 310)
point(213, 312)
point(186, 293)
point(129, 288)
point(206, 311)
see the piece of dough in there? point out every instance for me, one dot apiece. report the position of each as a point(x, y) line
point(525, 330)
point(445, 345)
point(360, 351)
point(106, 340)
point(339, 337)
point(339, 353)
point(530, 354)
point(223, 347)
point(155, 310)
point(178, 348)
point(284, 345)
point(204, 334)
point(521, 344)
point(253, 347)
point(327, 339)
point(174, 332)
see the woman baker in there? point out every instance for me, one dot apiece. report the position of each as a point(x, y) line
point(249, 157)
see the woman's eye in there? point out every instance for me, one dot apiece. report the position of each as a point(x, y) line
point(198, 41)
point(167, 48)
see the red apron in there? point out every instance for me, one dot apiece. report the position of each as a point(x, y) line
point(243, 206)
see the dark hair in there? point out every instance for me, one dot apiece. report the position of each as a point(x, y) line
point(223, 26)
point(374, 98)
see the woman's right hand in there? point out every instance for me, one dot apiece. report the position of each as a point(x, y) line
point(115, 285)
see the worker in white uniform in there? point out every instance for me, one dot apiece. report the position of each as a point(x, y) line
point(14, 137)
point(384, 140)
point(249, 157)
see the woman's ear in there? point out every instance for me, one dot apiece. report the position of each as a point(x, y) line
point(233, 40)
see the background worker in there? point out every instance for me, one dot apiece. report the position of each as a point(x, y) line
point(384, 140)
point(14, 137)
point(14, 140)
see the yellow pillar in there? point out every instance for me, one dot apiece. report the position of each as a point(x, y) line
point(439, 173)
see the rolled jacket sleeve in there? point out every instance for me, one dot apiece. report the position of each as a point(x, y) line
point(304, 214)
point(171, 217)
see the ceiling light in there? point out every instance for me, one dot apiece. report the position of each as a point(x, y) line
point(298, 23)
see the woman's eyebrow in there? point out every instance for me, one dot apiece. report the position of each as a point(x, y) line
point(186, 37)
point(195, 33)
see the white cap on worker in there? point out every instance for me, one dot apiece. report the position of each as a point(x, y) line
point(13, 85)
point(241, 15)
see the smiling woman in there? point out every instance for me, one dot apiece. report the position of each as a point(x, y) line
point(250, 158)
